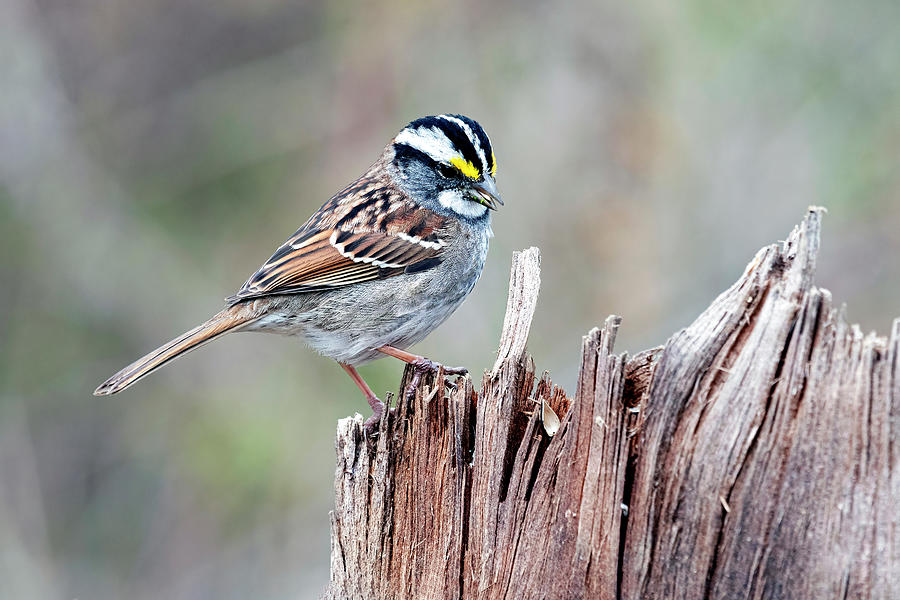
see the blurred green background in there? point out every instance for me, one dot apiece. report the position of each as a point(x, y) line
point(154, 153)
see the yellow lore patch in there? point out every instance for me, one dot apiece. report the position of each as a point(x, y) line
point(465, 167)
point(493, 164)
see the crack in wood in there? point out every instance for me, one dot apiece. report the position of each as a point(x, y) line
point(755, 455)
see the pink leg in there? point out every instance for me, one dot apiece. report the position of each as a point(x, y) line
point(376, 404)
point(421, 365)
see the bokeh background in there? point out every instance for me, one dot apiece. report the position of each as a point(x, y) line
point(154, 153)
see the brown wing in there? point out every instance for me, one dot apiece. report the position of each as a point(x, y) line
point(378, 236)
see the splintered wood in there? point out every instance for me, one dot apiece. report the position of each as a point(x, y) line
point(755, 455)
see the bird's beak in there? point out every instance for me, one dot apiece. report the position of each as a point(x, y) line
point(485, 192)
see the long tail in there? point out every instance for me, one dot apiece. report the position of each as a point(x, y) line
point(230, 319)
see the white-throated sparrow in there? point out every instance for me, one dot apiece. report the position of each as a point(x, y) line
point(378, 266)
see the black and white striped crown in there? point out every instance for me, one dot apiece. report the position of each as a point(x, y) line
point(452, 140)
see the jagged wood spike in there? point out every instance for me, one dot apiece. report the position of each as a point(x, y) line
point(755, 454)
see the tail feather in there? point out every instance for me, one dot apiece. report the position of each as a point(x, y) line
point(230, 319)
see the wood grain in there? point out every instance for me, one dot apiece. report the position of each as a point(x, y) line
point(755, 455)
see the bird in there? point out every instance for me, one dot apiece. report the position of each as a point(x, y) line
point(377, 267)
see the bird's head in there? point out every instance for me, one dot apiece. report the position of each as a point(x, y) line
point(447, 164)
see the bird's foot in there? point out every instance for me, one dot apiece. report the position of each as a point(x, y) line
point(424, 365)
point(371, 424)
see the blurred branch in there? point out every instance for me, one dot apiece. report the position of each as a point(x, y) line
point(754, 455)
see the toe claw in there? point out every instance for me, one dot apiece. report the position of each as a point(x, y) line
point(423, 365)
point(371, 424)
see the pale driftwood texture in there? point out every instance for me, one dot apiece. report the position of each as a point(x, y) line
point(755, 455)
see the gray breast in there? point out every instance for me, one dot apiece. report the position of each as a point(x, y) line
point(349, 323)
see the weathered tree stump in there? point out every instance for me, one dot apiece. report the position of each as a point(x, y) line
point(755, 455)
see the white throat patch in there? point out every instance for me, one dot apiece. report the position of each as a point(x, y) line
point(454, 200)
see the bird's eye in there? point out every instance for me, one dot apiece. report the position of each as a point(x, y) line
point(445, 170)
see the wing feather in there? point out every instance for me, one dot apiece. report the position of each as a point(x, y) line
point(367, 243)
